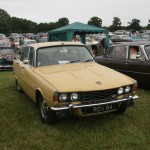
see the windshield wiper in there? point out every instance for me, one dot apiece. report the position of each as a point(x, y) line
point(72, 61)
point(88, 60)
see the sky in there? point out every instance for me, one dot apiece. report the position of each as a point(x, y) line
point(45, 11)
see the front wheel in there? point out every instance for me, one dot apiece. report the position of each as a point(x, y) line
point(47, 115)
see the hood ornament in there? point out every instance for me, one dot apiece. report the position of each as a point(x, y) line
point(98, 82)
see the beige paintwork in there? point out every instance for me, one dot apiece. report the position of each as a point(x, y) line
point(79, 77)
point(74, 77)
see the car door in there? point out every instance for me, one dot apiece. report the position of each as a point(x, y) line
point(28, 73)
point(115, 58)
point(138, 66)
point(20, 67)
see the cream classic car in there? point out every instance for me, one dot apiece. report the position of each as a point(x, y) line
point(63, 79)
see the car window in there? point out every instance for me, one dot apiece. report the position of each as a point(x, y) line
point(135, 52)
point(6, 51)
point(62, 55)
point(25, 53)
point(31, 56)
point(118, 52)
point(147, 50)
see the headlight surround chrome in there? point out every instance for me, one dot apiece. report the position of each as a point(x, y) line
point(74, 96)
point(127, 89)
point(63, 97)
point(120, 90)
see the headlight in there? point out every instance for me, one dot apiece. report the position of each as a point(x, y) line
point(74, 96)
point(63, 97)
point(120, 91)
point(127, 89)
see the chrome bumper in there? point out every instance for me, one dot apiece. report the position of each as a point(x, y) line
point(71, 106)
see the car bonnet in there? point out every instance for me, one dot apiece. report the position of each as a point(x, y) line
point(82, 77)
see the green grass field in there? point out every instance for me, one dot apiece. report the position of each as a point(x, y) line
point(22, 129)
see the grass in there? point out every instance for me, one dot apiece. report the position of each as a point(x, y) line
point(22, 129)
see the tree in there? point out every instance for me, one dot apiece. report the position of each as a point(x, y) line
point(5, 22)
point(116, 25)
point(148, 26)
point(95, 21)
point(42, 27)
point(62, 22)
point(134, 25)
point(20, 25)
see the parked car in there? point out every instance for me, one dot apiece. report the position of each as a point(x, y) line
point(2, 36)
point(7, 55)
point(4, 43)
point(24, 43)
point(130, 58)
point(119, 38)
point(63, 79)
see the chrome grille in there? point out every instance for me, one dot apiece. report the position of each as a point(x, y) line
point(99, 96)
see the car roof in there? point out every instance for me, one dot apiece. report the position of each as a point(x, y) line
point(46, 44)
point(131, 43)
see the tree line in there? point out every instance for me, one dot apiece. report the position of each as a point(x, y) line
point(10, 24)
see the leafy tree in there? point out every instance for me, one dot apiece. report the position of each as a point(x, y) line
point(5, 22)
point(134, 25)
point(116, 25)
point(62, 22)
point(95, 21)
point(42, 27)
point(148, 26)
point(20, 25)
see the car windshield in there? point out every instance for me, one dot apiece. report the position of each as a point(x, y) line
point(147, 50)
point(6, 51)
point(63, 55)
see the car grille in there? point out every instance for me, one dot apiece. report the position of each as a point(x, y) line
point(99, 96)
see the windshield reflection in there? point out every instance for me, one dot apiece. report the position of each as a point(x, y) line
point(62, 55)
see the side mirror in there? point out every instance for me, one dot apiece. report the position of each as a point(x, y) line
point(26, 61)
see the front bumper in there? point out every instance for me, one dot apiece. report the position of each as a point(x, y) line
point(70, 107)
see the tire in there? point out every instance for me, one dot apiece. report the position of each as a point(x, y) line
point(47, 115)
point(19, 89)
point(122, 108)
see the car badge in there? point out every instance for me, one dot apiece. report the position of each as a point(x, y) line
point(98, 82)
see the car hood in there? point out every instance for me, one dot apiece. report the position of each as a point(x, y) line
point(82, 77)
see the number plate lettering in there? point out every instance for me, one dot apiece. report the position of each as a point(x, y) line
point(97, 109)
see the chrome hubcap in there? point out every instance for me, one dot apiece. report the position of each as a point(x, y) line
point(44, 109)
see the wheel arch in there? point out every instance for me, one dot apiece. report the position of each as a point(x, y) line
point(38, 94)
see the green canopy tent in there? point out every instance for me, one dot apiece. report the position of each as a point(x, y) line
point(67, 32)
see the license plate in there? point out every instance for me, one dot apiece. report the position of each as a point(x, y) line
point(103, 108)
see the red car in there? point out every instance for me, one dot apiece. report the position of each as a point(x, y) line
point(7, 55)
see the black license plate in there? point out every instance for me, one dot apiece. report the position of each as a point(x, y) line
point(102, 108)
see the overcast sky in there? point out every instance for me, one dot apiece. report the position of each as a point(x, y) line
point(78, 10)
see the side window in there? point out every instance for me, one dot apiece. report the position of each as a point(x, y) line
point(119, 52)
point(31, 56)
point(25, 53)
point(135, 52)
